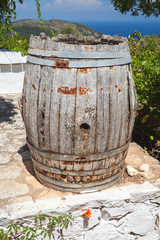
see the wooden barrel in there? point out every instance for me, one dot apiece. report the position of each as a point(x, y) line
point(79, 105)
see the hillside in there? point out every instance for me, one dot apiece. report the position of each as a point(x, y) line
point(28, 27)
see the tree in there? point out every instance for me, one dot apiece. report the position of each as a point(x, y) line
point(146, 7)
point(8, 11)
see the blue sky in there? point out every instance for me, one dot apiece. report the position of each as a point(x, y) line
point(75, 10)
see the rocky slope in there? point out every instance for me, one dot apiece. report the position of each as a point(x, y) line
point(28, 27)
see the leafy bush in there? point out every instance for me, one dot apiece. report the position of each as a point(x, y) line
point(145, 53)
point(13, 41)
point(43, 226)
point(146, 70)
point(68, 30)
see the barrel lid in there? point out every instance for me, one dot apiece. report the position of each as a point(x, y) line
point(73, 39)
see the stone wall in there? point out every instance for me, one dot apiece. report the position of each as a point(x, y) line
point(125, 213)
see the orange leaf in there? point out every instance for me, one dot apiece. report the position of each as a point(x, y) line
point(87, 213)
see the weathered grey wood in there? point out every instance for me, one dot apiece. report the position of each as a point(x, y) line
point(46, 77)
point(124, 98)
point(25, 101)
point(123, 106)
point(68, 91)
point(102, 124)
point(132, 101)
point(79, 158)
point(55, 110)
point(28, 104)
point(75, 117)
point(34, 88)
point(85, 111)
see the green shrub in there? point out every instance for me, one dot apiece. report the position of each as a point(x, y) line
point(13, 41)
point(146, 70)
point(145, 52)
point(68, 30)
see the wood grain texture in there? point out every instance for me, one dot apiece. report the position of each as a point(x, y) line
point(65, 99)
point(79, 111)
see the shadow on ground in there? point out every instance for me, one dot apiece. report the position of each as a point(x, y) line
point(26, 159)
point(7, 110)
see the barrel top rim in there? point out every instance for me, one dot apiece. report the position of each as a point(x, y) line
point(90, 40)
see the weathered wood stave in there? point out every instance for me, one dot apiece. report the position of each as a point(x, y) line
point(57, 101)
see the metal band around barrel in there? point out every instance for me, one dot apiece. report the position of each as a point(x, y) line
point(77, 173)
point(77, 54)
point(78, 63)
point(81, 189)
point(78, 158)
point(76, 185)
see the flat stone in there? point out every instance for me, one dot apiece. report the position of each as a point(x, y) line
point(5, 157)
point(20, 199)
point(105, 231)
point(17, 157)
point(11, 148)
point(9, 172)
point(133, 160)
point(7, 126)
point(150, 159)
point(140, 215)
point(144, 167)
point(10, 189)
point(119, 212)
point(23, 209)
point(150, 236)
point(3, 140)
point(142, 189)
point(4, 217)
point(19, 125)
point(16, 132)
point(31, 180)
point(131, 171)
point(147, 175)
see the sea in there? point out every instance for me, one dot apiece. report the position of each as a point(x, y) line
point(124, 28)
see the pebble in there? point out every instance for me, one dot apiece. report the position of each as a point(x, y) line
point(144, 167)
point(131, 171)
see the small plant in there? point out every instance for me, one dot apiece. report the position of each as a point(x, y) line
point(68, 30)
point(43, 226)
